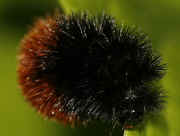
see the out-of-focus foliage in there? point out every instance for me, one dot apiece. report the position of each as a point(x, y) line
point(93, 6)
point(159, 18)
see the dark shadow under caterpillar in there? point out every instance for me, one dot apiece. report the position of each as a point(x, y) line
point(81, 68)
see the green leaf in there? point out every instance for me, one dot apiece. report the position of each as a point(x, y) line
point(92, 6)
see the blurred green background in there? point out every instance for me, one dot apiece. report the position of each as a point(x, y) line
point(159, 18)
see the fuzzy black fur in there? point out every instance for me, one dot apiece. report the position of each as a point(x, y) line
point(104, 71)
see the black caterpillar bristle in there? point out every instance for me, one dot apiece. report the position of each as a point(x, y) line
point(81, 68)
